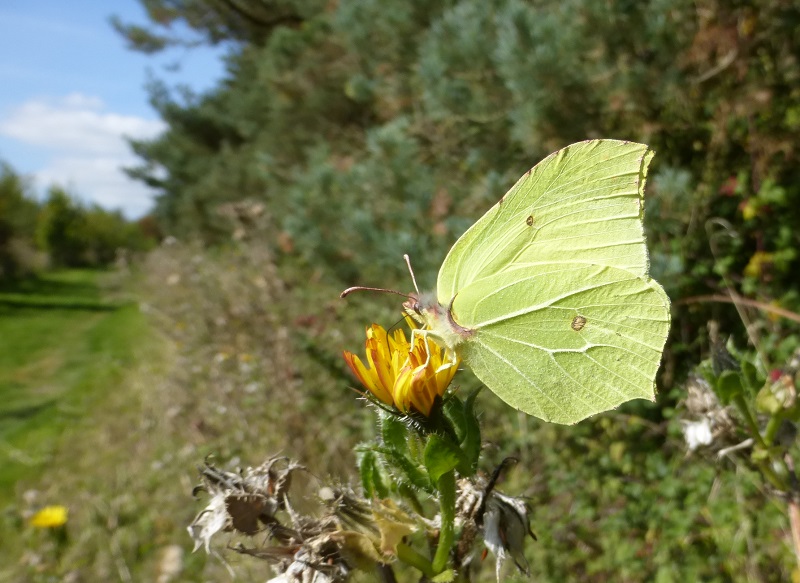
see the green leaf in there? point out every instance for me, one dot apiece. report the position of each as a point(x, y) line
point(409, 470)
point(750, 377)
point(367, 471)
point(465, 422)
point(729, 385)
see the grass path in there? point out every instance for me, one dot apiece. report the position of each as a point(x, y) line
point(88, 421)
point(63, 347)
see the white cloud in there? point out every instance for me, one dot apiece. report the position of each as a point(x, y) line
point(86, 145)
point(98, 179)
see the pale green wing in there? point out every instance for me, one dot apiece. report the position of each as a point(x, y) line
point(580, 204)
point(563, 341)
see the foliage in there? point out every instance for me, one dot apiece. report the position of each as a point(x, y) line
point(70, 233)
point(18, 212)
point(75, 235)
point(61, 229)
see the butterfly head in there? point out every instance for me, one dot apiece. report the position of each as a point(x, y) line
point(423, 308)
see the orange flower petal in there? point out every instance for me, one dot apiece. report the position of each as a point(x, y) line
point(401, 375)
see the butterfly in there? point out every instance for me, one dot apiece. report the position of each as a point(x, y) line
point(547, 298)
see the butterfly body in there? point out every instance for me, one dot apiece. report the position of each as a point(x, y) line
point(437, 320)
point(547, 297)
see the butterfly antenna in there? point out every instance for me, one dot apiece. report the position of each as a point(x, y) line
point(411, 271)
point(350, 290)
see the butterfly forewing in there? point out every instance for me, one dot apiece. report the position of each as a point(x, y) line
point(582, 203)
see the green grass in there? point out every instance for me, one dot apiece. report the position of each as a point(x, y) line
point(62, 348)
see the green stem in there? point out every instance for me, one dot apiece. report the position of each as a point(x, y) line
point(783, 473)
point(744, 409)
point(765, 465)
point(772, 477)
point(411, 557)
point(447, 511)
point(771, 430)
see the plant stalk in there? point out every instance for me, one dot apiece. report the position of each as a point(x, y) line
point(447, 511)
point(794, 520)
point(771, 430)
point(411, 557)
point(744, 409)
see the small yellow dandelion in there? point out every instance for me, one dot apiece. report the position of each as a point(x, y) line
point(50, 517)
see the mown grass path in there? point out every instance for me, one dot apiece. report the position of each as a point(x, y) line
point(63, 347)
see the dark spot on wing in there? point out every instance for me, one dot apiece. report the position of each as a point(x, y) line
point(578, 322)
point(529, 221)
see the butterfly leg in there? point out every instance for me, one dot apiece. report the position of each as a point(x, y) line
point(415, 333)
point(450, 356)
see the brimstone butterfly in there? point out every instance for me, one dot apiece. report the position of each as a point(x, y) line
point(547, 298)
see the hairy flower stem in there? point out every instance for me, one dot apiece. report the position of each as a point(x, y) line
point(447, 511)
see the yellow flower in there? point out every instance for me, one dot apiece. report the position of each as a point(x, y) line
point(399, 376)
point(50, 517)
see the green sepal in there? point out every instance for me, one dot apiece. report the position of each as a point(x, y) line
point(454, 410)
point(394, 433)
point(366, 469)
point(441, 456)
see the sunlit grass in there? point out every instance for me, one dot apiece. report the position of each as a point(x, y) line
point(64, 352)
point(61, 349)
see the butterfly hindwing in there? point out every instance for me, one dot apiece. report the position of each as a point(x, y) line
point(590, 340)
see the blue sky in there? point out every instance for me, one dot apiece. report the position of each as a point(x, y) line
point(70, 90)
